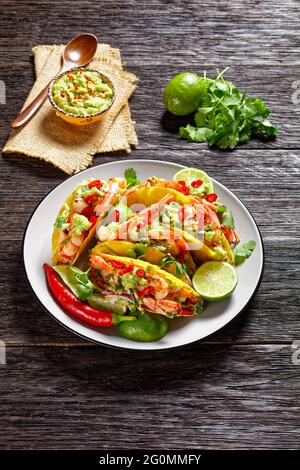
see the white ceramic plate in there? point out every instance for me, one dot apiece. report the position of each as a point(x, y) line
point(37, 250)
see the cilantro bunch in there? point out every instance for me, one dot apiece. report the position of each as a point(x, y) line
point(227, 117)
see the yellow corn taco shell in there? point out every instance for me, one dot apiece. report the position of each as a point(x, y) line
point(150, 269)
point(56, 232)
point(148, 195)
point(202, 252)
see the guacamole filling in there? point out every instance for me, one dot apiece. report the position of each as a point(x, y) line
point(82, 92)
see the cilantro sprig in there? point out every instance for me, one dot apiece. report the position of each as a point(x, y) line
point(228, 117)
point(244, 251)
point(180, 268)
point(130, 176)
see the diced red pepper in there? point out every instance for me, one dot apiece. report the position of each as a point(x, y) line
point(197, 183)
point(71, 77)
point(186, 312)
point(212, 197)
point(140, 226)
point(126, 270)
point(140, 272)
point(185, 190)
point(91, 199)
point(93, 219)
point(116, 215)
point(181, 182)
point(117, 264)
point(95, 184)
point(88, 211)
point(147, 291)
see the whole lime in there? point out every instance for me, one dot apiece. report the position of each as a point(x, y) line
point(182, 94)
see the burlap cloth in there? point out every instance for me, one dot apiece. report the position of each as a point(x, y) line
point(70, 147)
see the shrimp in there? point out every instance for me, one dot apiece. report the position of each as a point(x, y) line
point(103, 206)
point(160, 285)
point(98, 262)
point(115, 185)
point(146, 215)
point(77, 240)
point(69, 250)
point(162, 307)
point(79, 205)
point(210, 217)
point(231, 234)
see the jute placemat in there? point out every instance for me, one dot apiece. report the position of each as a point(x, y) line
point(70, 147)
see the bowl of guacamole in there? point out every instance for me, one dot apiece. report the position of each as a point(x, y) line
point(81, 95)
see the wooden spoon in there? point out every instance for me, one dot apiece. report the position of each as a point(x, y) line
point(78, 52)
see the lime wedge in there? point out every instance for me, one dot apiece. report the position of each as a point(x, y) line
point(215, 280)
point(194, 174)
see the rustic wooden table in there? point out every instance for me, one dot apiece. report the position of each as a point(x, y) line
point(240, 388)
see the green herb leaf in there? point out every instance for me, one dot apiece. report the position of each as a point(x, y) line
point(180, 268)
point(77, 280)
point(244, 251)
point(141, 248)
point(227, 117)
point(59, 222)
point(198, 308)
point(130, 176)
point(221, 209)
point(195, 134)
point(227, 218)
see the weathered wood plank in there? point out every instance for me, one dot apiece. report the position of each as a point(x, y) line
point(157, 129)
point(197, 397)
point(184, 32)
point(206, 395)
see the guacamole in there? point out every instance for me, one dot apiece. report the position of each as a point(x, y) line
point(82, 92)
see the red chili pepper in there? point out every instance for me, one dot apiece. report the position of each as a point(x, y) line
point(185, 312)
point(93, 219)
point(181, 214)
point(181, 182)
point(126, 270)
point(91, 199)
point(95, 184)
point(139, 226)
point(88, 212)
point(147, 291)
point(69, 302)
point(117, 264)
point(212, 197)
point(185, 190)
point(196, 183)
point(140, 272)
point(116, 215)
